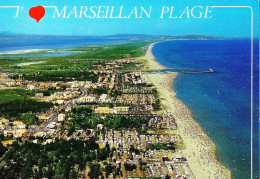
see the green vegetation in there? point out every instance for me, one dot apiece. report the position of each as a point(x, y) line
point(16, 103)
point(83, 119)
point(19, 93)
point(159, 146)
point(99, 90)
point(63, 67)
point(129, 167)
point(80, 119)
point(115, 51)
point(130, 66)
point(132, 149)
point(155, 93)
point(3, 149)
point(65, 75)
point(126, 122)
point(54, 160)
point(95, 171)
point(28, 118)
point(16, 107)
point(157, 104)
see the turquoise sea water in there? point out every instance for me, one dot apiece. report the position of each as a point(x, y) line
point(220, 101)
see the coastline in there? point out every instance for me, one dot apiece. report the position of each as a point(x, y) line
point(149, 60)
point(19, 52)
point(200, 150)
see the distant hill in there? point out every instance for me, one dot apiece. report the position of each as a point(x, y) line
point(9, 35)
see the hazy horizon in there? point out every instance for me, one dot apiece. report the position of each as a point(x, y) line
point(122, 34)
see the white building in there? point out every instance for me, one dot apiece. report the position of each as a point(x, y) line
point(61, 117)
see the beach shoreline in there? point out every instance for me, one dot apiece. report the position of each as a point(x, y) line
point(200, 150)
point(20, 52)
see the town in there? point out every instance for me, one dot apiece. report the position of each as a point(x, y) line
point(115, 120)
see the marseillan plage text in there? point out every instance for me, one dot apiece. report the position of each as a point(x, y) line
point(121, 12)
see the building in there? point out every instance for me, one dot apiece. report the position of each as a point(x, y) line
point(60, 102)
point(61, 118)
point(114, 110)
point(39, 95)
point(7, 142)
point(121, 110)
point(88, 99)
point(100, 126)
point(104, 110)
point(104, 98)
point(19, 124)
point(43, 117)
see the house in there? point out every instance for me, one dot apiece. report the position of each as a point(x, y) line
point(87, 99)
point(111, 84)
point(91, 99)
point(48, 141)
point(31, 86)
point(60, 102)
point(4, 121)
point(39, 134)
point(104, 98)
point(104, 110)
point(68, 109)
point(39, 95)
point(100, 126)
point(7, 142)
point(19, 124)
point(19, 133)
point(43, 117)
point(88, 84)
point(15, 133)
point(9, 132)
point(42, 86)
point(121, 110)
point(61, 118)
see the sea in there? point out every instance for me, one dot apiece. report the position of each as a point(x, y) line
point(12, 44)
point(220, 101)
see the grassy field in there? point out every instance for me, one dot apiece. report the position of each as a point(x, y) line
point(17, 103)
point(74, 67)
point(89, 57)
point(11, 94)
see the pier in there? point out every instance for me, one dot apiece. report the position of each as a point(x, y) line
point(180, 70)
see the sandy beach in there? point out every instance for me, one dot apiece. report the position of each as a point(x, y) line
point(200, 150)
point(149, 60)
point(18, 52)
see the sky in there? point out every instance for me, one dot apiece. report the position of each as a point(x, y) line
point(226, 22)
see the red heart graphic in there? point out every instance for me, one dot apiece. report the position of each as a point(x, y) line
point(37, 13)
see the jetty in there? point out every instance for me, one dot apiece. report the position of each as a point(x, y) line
point(180, 70)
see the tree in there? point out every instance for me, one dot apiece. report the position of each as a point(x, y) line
point(94, 171)
point(108, 169)
point(167, 177)
point(49, 172)
point(26, 171)
point(71, 130)
point(73, 174)
point(3, 149)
